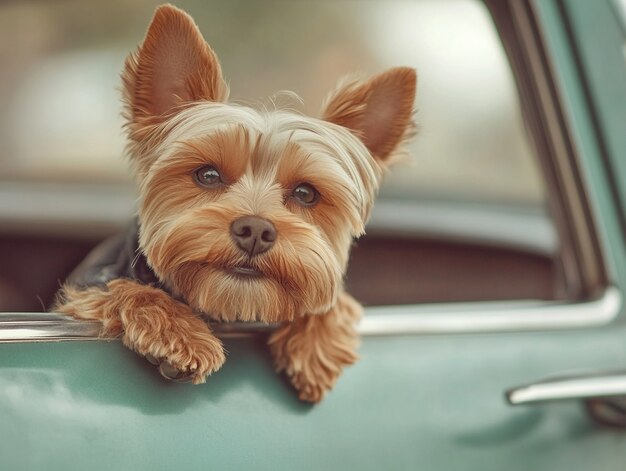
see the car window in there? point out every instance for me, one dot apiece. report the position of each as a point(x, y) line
point(465, 218)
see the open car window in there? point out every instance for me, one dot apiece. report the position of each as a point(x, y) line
point(465, 219)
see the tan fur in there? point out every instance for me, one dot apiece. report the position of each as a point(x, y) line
point(179, 121)
point(172, 49)
point(378, 110)
point(313, 350)
point(150, 323)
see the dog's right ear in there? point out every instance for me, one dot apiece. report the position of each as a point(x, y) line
point(173, 66)
point(379, 111)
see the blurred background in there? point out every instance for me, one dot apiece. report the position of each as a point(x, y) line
point(60, 117)
point(466, 219)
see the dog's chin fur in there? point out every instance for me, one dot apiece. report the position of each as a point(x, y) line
point(227, 297)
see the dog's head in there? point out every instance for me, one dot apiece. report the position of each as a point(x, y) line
point(248, 214)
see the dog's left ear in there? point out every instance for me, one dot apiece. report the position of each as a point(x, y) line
point(174, 65)
point(379, 110)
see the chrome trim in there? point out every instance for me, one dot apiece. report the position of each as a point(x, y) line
point(491, 316)
point(38, 327)
point(570, 387)
point(454, 318)
point(52, 327)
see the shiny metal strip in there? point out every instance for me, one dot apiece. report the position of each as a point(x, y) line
point(491, 316)
point(454, 318)
point(567, 388)
point(37, 327)
point(56, 328)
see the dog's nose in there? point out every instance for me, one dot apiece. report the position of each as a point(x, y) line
point(253, 235)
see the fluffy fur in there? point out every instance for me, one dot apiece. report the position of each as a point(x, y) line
point(178, 120)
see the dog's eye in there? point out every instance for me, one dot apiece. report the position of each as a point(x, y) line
point(305, 194)
point(208, 176)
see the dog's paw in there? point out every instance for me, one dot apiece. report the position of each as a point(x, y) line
point(312, 362)
point(312, 391)
point(190, 360)
point(313, 373)
point(185, 361)
point(165, 331)
point(169, 371)
point(314, 350)
point(180, 355)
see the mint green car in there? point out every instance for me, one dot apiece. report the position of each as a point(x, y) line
point(501, 344)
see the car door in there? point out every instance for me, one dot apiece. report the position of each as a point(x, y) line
point(467, 298)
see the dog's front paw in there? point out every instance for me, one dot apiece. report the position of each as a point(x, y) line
point(180, 356)
point(311, 363)
point(313, 350)
point(188, 363)
point(313, 389)
point(168, 333)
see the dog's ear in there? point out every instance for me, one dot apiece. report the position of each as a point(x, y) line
point(379, 110)
point(174, 65)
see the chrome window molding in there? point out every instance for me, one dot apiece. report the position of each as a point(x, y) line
point(492, 316)
point(452, 318)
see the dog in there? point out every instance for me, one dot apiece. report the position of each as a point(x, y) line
point(244, 214)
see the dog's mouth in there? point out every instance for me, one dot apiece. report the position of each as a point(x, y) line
point(244, 270)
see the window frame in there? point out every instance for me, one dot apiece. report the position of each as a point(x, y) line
point(592, 298)
point(581, 255)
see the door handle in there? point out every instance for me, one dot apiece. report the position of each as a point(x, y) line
point(583, 387)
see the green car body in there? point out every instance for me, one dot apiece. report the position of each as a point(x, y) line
point(429, 390)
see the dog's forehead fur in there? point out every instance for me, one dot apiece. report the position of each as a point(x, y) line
point(257, 150)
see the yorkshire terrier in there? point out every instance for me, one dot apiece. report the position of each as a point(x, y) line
point(244, 215)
